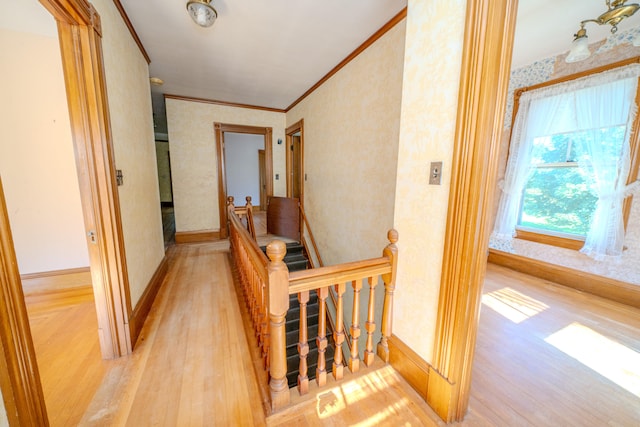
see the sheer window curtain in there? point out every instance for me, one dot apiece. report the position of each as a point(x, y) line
point(599, 107)
point(554, 109)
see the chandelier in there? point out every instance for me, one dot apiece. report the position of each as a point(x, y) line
point(617, 11)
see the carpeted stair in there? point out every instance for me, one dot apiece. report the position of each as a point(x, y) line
point(296, 259)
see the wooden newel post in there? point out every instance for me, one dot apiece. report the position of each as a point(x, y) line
point(391, 252)
point(248, 199)
point(278, 294)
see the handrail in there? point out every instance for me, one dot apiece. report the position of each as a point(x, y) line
point(307, 280)
point(256, 254)
point(267, 285)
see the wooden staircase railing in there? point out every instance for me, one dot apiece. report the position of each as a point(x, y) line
point(267, 284)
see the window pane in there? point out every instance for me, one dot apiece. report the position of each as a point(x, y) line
point(550, 149)
point(558, 199)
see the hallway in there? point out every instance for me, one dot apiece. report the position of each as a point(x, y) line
point(191, 366)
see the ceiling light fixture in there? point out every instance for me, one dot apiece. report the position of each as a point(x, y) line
point(202, 12)
point(618, 11)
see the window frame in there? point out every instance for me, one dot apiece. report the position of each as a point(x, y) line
point(560, 239)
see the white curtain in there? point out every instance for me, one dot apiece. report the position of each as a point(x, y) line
point(561, 108)
point(596, 108)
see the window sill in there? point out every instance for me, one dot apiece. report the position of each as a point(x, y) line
point(548, 239)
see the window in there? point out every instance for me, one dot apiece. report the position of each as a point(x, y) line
point(559, 196)
point(569, 163)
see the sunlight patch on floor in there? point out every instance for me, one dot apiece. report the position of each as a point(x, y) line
point(350, 393)
point(609, 358)
point(513, 305)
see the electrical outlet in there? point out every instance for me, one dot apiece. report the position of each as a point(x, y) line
point(435, 173)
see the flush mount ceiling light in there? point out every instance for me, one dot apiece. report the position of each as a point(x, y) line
point(617, 11)
point(202, 12)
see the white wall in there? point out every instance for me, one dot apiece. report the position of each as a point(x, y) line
point(194, 162)
point(241, 163)
point(129, 95)
point(37, 162)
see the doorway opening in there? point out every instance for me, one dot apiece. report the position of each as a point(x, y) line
point(295, 161)
point(240, 136)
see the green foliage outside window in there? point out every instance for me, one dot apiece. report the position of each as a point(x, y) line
point(559, 196)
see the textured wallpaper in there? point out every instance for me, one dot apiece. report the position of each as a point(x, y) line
point(129, 94)
point(432, 65)
point(193, 157)
point(614, 49)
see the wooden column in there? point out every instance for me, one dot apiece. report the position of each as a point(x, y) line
point(370, 325)
point(391, 252)
point(338, 335)
point(321, 340)
point(354, 360)
point(278, 290)
point(303, 345)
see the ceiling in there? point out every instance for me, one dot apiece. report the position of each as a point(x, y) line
point(268, 53)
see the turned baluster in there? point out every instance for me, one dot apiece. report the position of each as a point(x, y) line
point(250, 227)
point(264, 326)
point(354, 360)
point(389, 279)
point(338, 335)
point(278, 291)
point(303, 345)
point(321, 340)
point(370, 325)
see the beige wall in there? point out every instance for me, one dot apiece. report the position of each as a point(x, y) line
point(194, 161)
point(129, 94)
point(433, 52)
point(36, 153)
point(164, 170)
point(351, 126)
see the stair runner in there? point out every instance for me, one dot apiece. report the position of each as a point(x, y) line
point(296, 259)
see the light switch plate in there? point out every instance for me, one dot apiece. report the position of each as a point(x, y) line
point(435, 173)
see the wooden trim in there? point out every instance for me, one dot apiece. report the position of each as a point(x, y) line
point(19, 376)
point(371, 40)
point(55, 273)
point(90, 125)
point(143, 307)
point(197, 236)
point(548, 239)
point(296, 127)
point(223, 103)
point(413, 368)
point(605, 287)
point(132, 30)
point(219, 129)
point(486, 58)
point(585, 73)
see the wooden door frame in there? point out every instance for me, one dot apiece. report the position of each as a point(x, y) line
point(296, 127)
point(219, 130)
point(79, 33)
point(485, 71)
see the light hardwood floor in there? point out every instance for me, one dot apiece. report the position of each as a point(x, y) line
point(64, 329)
point(191, 365)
